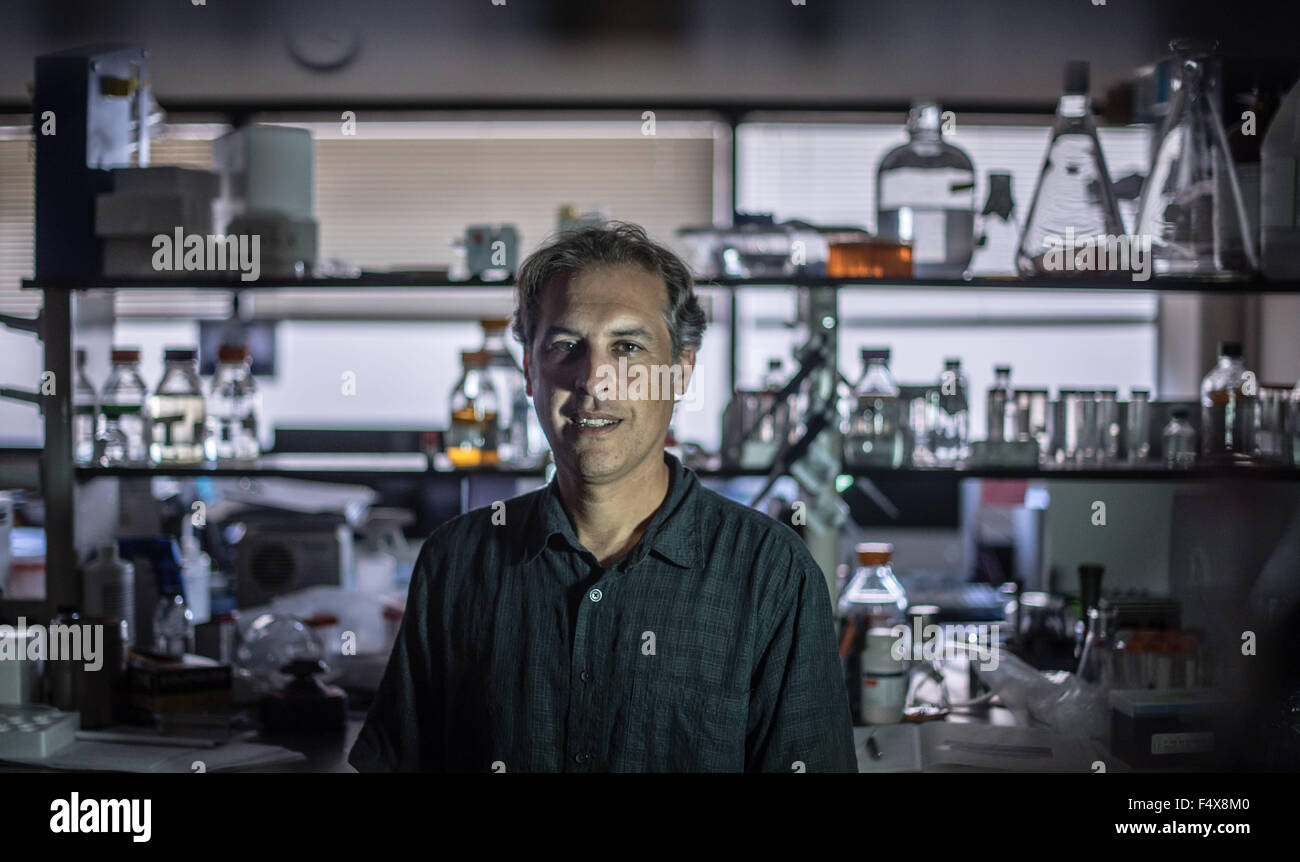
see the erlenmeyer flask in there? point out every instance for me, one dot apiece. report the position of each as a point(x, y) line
point(1074, 196)
point(1192, 206)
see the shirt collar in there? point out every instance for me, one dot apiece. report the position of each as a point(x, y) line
point(669, 534)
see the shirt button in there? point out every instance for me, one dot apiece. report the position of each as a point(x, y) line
point(581, 757)
point(587, 675)
point(595, 595)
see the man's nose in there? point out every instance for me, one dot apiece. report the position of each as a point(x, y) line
point(594, 377)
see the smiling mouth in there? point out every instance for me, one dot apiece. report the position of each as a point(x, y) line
point(594, 423)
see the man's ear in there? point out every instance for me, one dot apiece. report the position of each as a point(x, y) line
point(687, 364)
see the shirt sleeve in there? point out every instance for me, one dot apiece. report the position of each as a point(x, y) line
point(403, 729)
point(799, 707)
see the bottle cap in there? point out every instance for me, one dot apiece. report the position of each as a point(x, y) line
point(179, 354)
point(873, 553)
point(125, 354)
point(475, 358)
point(1001, 369)
point(1178, 414)
point(878, 353)
point(494, 324)
point(1076, 77)
point(1135, 393)
point(951, 362)
point(1230, 349)
point(232, 353)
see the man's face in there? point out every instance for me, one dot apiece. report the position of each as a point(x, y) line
point(600, 422)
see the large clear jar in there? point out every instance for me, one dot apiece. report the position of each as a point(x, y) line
point(472, 436)
point(123, 435)
point(176, 410)
point(873, 432)
point(234, 409)
point(1229, 407)
point(85, 414)
point(925, 195)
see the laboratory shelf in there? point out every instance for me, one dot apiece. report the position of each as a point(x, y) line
point(403, 280)
point(355, 467)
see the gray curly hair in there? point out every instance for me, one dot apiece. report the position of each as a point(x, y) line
point(611, 244)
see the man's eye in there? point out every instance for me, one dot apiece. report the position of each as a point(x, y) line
point(563, 346)
point(630, 347)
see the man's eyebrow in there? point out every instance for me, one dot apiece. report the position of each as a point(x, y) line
point(552, 331)
point(633, 332)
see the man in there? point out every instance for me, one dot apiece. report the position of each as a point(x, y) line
point(622, 618)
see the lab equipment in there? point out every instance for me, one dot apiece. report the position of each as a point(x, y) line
point(521, 441)
point(925, 196)
point(21, 674)
point(101, 100)
point(472, 438)
point(85, 409)
point(873, 433)
point(234, 409)
point(266, 169)
point(1033, 412)
point(1074, 196)
point(1137, 426)
point(1229, 407)
point(147, 202)
point(274, 640)
point(176, 410)
point(755, 426)
point(123, 434)
point(196, 576)
point(110, 588)
point(1271, 443)
point(951, 438)
point(873, 600)
point(304, 704)
point(491, 251)
point(173, 625)
point(1192, 201)
point(35, 731)
point(1108, 430)
point(1279, 165)
point(1178, 441)
point(1001, 418)
point(1187, 728)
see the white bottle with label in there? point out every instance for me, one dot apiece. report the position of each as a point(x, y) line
point(1279, 161)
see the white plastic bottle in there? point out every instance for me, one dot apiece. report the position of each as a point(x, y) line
point(110, 588)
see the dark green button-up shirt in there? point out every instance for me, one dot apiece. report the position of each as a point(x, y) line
point(708, 647)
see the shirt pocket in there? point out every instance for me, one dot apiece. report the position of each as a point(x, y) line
point(678, 724)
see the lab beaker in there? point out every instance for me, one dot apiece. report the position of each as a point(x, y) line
point(1192, 206)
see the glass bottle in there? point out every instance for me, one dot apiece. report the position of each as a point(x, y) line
point(234, 408)
point(1108, 430)
point(1074, 197)
point(873, 432)
point(123, 435)
point(85, 411)
point(1229, 407)
point(173, 625)
point(1137, 424)
point(1178, 441)
point(1095, 661)
point(1002, 421)
point(516, 445)
point(872, 599)
point(1192, 206)
point(952, 425)
point(925, 194)
point(176, 410)
point(471, 439)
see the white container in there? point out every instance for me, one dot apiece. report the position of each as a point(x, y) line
point(110, 588)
